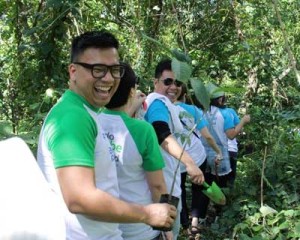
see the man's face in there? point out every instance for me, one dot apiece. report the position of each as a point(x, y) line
point(97, 91)
point(171, 91)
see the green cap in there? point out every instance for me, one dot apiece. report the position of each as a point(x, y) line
point(214, 91)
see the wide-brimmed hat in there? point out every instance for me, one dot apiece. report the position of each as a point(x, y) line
point(214, 91)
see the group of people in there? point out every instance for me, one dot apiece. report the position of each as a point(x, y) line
point(110, 169)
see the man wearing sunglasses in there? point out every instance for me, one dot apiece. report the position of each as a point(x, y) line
point(163, 115)
point(73, 153)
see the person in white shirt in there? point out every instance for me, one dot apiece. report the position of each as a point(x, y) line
point(74, 156)
point(137, 156)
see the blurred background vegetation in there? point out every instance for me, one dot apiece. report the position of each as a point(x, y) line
point(250, 48)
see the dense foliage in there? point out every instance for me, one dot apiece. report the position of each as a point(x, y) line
point(251, 48)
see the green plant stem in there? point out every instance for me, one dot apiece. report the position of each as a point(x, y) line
point(262, 178)
point(262, 182)
point(178, 163)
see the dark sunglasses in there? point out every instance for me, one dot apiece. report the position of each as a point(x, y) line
point(170, 81)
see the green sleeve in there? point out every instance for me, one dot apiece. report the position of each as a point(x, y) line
point(148, 146)
point(71, 137)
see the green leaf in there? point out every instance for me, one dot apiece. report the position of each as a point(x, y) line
point(244, 237)
point(181, 56)
point(289, 213)
point(34, 106)
point(200, 92)
point(275, 230)
point(297, 227)
point(156, 42)
point(257, 228)
point(284, 225)
point(182, 70)
point(266, 210)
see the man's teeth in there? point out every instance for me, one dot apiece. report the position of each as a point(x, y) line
point(102, 88)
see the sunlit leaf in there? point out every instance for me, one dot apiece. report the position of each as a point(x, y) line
point(200, 92)
point(181, 56)
point(275, 230)
point(266, 210)
point(289, 213)
point(182, 70)
point(257, 228)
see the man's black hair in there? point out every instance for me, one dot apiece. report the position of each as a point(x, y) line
point(127, 82)
point(94, 39)
point(162, 66)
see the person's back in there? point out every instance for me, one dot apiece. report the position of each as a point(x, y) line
point(136, 154)
point(133, 143)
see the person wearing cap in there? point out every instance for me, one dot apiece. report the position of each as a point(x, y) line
point(222, 128)
point(231, 133)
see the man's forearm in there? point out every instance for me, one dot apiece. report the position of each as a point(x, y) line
point(171, 146)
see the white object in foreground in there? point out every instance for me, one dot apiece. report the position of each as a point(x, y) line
point(29, 209)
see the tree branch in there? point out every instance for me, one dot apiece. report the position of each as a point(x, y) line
point(179, 27)
point(286, 42)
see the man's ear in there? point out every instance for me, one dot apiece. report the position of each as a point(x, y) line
point(72, 72)
point(132, 92)
point(155, 82)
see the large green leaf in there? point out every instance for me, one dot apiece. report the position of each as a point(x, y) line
point(266, 210)
point(158, 43)
point(181, 56)
point(182, 70)
point(200, 92)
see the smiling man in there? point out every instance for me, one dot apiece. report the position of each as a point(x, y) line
point(73, 152)
point(163, 115)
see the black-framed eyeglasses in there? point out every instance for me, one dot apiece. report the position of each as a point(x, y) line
point(100, 70)
point(170, 81)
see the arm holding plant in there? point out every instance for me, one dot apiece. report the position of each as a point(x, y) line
point(171, 145)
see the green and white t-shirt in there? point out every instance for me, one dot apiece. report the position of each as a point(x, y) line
point(136, 151)
point(71, 137)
